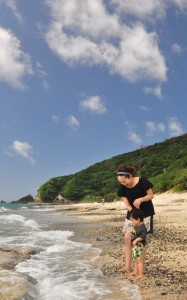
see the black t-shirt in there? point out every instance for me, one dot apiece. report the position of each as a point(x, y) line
point(139, 232)
point(138, 191)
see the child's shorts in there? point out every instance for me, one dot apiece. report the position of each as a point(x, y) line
point(148, 221)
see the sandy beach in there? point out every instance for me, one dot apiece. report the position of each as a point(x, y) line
point(166, 262)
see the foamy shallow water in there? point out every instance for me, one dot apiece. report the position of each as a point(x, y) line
point(62, 269)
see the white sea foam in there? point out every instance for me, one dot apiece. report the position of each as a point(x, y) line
point(80, 289)
point(62, 269)
point(57, 235)
point(3, 209)
point(59, 280)
point(31, 223)
point(13, 218)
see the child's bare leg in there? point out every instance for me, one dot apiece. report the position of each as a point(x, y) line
point(143, 258)
point(135, 271)
point(140, 264)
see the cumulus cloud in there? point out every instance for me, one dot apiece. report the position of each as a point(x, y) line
point(93, 104)
point(142, 9)
point(134, 137)
point(131, 133)
point(157, 92)
point(21, 148)
point(89, 33)
point(14, 63)
point(180, 4)
point(175, 127)
point(146, 9)
point(72, 122)
point(176, 48)
point(153, 127)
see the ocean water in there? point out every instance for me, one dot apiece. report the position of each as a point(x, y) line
point(62, 269)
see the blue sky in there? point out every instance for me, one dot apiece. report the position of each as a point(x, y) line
point(82, 81)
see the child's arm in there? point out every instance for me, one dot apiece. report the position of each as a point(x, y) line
point(141, 235)
point(139, 239)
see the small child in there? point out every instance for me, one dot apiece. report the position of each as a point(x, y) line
point(138, 241)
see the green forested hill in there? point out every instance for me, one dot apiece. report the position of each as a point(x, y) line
point(24, 200)
point(165, 164)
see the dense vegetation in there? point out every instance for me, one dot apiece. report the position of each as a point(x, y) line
point(53, 187)
point(165, 164)
point(24, 200)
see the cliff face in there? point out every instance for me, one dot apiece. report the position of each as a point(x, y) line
point(37, 198)
point(58, 200)
point(61, 200)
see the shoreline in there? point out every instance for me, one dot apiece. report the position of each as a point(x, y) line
point(100, 224)
point(166, 260)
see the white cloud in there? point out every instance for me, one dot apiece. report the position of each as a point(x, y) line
point(23, 149)
point(143, 9)
point(146, 9)
point(161, 127)
point(157, 92)
point(87, 17)
point(93, 104)
point(42, 74)
point(153, 127)
point(45, 85)
point(12, 5)
point(131, 134)
point(72, 122)
point(181, 4)
point(134, 137)
point(142, 61)
point(175, 127)
point(55, 119)
point(176, 48)
point(14, 63)
point(39, 70)
point(145, 108)
point(87, 33)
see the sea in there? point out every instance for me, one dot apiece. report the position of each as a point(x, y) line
point(62, 268)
